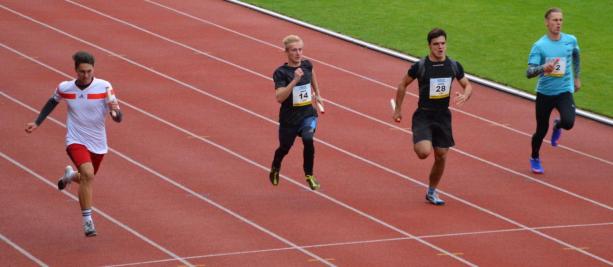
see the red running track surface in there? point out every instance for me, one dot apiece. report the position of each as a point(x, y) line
point(187, 174)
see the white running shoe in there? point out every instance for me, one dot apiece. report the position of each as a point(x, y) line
point(89, 228)
point(66, 179)
point(434, 199)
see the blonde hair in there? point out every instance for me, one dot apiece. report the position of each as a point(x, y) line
point(290, 39)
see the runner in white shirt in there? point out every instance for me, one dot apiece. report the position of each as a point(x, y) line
point(88, 99)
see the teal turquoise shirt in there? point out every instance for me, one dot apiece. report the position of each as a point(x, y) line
point(562, 78)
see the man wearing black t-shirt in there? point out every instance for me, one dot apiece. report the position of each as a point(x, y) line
point(295, 89)
point(432, 119)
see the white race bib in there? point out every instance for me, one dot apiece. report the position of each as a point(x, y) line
point(439, 87)
point(301, 95)
point(559, 68)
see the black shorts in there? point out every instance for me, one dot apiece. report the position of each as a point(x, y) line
point(433, 125)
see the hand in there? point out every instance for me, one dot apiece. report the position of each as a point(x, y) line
point(461, 99)
point(116, 115)
point(298, 73)
point(577, 84)
point(397, 115)
point(550, 66)
point(30, 127)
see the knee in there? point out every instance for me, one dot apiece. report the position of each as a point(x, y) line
point(440, 156)
point(422, 154)
point(86, 177)
point(566, 124)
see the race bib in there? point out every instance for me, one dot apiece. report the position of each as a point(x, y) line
point(301, 95)
point(439, 87)
point(559, 68)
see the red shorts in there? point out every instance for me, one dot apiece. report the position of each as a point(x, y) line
point(79, 155)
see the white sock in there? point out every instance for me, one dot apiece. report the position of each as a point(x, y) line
point(87, 215)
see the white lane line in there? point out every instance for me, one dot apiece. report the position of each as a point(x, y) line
point(22, 250)
point(502, 125)
point(347, 153)
point(495, 165)
point(102, 213)
point(366, 242)
point(163, 177)
point(229, 151)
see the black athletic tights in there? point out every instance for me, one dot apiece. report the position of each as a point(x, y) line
point(286, 140)
point(565, 105)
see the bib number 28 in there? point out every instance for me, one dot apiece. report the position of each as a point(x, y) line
point(439, 87)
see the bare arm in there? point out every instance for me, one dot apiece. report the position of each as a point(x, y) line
point(283, 93)
point(315, 87)
point(461, 98)
point(400, 93)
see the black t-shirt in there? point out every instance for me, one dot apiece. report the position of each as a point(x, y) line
point(439, 75)
point(296, 107)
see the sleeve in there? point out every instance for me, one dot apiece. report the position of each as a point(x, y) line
point(57, 96)
point(308, 65)
point(460, 73)
point(279, 78)
point(535, 57)
point(412, 72)
point(576, 58)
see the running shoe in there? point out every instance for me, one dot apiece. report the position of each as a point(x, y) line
point(89, 229)
point(535, 166)
point(556, 133)
point(433, 198)
point(66, 179)
point(274, 176)
point(313, 183)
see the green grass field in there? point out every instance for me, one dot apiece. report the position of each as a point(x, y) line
point(492, 38)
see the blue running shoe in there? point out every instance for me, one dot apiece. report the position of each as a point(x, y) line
point(535, 166)
point(433, 198)
point(556, 133)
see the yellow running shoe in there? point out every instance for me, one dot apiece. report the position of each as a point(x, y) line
point(313, 183)
point(274, 176)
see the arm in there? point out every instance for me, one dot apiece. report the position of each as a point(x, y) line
point(47, 109)
point(461, 98)
point(113, 104)
point(315, 87)
point(283, 93)
point(400, 93)
point(536, 70)
point(577, 68)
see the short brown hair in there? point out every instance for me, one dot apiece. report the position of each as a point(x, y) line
point(83, 57)
point(552, 10)
point(436, 32)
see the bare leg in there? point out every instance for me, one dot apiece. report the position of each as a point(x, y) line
point(85, 179)
point(440, 156)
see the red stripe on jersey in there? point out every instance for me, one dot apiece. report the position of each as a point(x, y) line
point(67, 96)
point(96, 96)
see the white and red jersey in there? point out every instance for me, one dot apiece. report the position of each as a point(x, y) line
point(87, 111)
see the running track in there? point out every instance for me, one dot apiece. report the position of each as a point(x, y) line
point(185, 182)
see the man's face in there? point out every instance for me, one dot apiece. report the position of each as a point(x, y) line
point(294, 52)
point(438, 46)
point(554, 22)
point(85, 72)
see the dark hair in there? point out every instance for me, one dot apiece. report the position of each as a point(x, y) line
point(83, 57)
point(436, 32)
point(552, 10)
